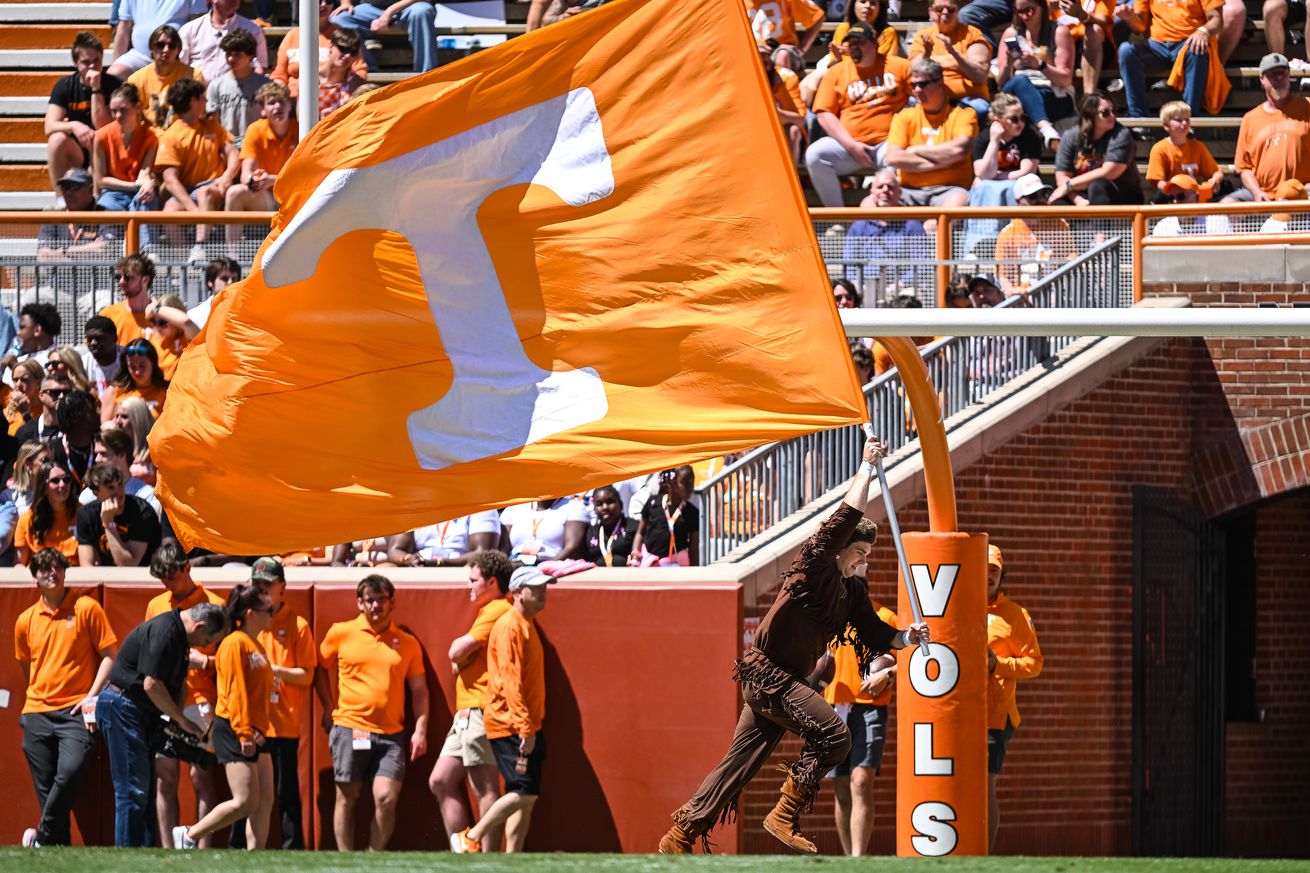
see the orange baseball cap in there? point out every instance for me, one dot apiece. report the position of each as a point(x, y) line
point(994, 557)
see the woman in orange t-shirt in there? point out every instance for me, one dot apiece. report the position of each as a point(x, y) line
point(241, 723)
point(123, 157)
point(139, 375)
point(49, 524)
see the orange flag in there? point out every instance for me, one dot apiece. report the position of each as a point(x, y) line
point(558, 263)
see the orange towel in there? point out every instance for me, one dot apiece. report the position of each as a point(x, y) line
point(1217, 85)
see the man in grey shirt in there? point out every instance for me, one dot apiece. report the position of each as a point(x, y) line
point(231, 97)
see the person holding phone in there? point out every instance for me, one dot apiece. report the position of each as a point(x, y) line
point(1035, 64)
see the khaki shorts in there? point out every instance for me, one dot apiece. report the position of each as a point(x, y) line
point(467, 740)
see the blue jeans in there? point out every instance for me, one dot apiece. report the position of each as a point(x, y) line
point(982, 106)
point(1039, 103)
point(986, 192)
point(987, 15)
point(1136, 57)
point(418, 18)
point(121, 201)
point(124, 723)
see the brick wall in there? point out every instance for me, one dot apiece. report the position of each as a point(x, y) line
point(1209, 420)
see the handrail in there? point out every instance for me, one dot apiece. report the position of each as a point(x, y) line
point(771, 482)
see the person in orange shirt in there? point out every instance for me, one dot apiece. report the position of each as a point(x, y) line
point(862, 701)
point(155, 78)
point(374, 661)
point(50, 523)
point(1273, 144)
point(1180, 153)
point(513, 711)
point(1012, 655)
point(855, 103)
point(289, 644)
point(287, 70)
point(168, 333)
point(171, 568)
point(197, 160)
point(123, 157)
point(241, 723)
point(961, 50)
point(139, 375)
point(777, 20)
point(786, 88)
point(1172, 27)
point(66, 647)
point(467, 752)
point(135, 274)
point(1028, 247)
point(931, 142)
point(268, 144)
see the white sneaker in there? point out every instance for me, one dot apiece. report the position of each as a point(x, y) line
point(180, 838)
point(29, 839)
point(1298, 64)
point(198, 255)
point(1114, 86)
point(1051, 137)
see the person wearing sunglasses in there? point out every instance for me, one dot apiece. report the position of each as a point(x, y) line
point(1098, 164)
point(930, 142)
point(1006, 151)
point(241, 723)
point(51, 522)
point(287, 69)
point(43, 427)
point(855, 104)
point(1035, 64)
point(139, 375)
point(154, 79)
point(141, 21)
point(963, 51)
point(337, 80)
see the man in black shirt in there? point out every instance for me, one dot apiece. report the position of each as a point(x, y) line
point(146, 683)
point(79, 104)
point(116, 529)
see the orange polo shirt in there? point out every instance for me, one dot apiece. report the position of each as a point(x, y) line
point(845, 684)
point(245, 680)
point(288, 642)
point(516, 678)
point(63, 646)
point(471, 683)
point(1013, 639)
point(201, 686)
point(371, 673)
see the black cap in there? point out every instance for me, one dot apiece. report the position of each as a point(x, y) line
point(862, 30)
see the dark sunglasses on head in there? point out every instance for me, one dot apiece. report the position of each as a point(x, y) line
point(137, 349)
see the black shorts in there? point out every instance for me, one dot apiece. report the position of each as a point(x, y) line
point(506, 750)
point(997, 740)
point(868, 727)
point(227, 748)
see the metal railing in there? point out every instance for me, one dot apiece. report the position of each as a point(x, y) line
point(769, 483)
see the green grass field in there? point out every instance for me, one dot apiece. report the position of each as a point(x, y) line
point(134, 861)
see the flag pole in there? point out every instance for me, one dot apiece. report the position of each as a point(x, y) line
point(896, 539)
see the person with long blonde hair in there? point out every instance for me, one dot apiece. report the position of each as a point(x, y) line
point(132, 415)
point(67, 363)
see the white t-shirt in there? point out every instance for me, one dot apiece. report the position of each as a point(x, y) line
point(450, 539)
point(146, 15)
point(200, 49)
point(99, 375)
point(538, 534)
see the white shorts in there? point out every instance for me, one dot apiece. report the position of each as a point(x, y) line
point(132, 59)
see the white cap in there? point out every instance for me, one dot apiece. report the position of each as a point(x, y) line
point(525, 576)
point(1027, 186)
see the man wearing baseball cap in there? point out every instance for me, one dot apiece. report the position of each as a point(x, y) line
point(1026, 246)
point(856, 100)
point(289, 644)
point(513, 710)
point(1012, 654)
point(64, 240)
point(1273, 144)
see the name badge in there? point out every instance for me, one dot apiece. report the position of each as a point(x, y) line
point(361, 741)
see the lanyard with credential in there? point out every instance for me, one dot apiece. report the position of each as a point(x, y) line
point(607, 546)
point(672, 520)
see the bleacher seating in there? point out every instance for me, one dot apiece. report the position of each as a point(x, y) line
point(34, 39)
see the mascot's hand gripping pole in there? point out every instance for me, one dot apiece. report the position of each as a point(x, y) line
point(896, 538)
